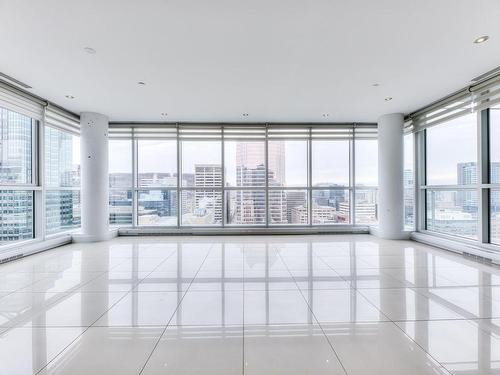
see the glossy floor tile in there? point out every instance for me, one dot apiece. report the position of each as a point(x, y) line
point(319, 304)
point(198, 350)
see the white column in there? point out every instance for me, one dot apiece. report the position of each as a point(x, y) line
point(390, 176)
point(94, 177)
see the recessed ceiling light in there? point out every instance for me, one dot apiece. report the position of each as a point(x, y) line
point(141, 83)
point(164, 114)
point(481, 39)
point(70, 97)
point(89, 50)
point(325, 115)
point(245, 114)
point(388, 99)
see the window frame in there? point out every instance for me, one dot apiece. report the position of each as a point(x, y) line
point(34, 186)
point(251, 132)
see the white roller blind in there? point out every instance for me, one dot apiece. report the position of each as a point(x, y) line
point(487, 95)
point(469, 100)
point(365, 131)
point(240, 132)
point(58, 118)
point(200, 132)
point(143, 131)
point(17, 101)
point(288, 132)
point(332, 132)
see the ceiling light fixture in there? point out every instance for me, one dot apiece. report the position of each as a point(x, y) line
point(90, 50)
point(481, 39)
point(375, 84)
point(70, 97)
point(141, 83)
point(388, 99)
point(165, 114)
point(325, 115)
point(245, 114)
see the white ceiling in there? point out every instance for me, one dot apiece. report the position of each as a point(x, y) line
point(277, 60)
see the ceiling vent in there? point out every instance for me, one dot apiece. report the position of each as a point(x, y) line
point(14, 81)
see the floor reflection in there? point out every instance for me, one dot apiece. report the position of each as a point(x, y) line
point(279, 296)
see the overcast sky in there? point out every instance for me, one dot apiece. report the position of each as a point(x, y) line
point(330, 159)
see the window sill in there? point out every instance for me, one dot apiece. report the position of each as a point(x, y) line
point(24, 248)
point(464, 247)
point(341, 229)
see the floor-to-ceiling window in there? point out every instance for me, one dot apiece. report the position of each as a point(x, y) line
point(237, 175)
point(17, 177)
point(157, 182)
point(62, 180)
point(330, 180)
point(201, 177)
point(366, 178)
point(245, 176)
point(493, 116)
point(451, 177)
point(120, 182)
point(287, 157)
point(409, 182)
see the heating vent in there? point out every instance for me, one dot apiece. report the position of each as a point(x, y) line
point(477, 257)
point(14, 81)
point(10, 259)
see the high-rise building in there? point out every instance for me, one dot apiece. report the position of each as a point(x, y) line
point(16, 215)
point(208, 201)
point(62, 206)
point(467, 175)
point(409, 195)
point(249, 206)
point(295, 199)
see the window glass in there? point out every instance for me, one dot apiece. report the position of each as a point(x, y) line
point(157, 207)
point(330, 163)
point(287, 163)
point(453, 212)
point(495, 216)
point(244, 163)
point(408, 183)
point(120, 163)
point(330, 207)
point(288, 207)
point(62, 210)
point(201, 164)
point(120, 207)
point(495, 174)
point(366, 206)
point(201, 207)
point(451, 152)
point(245, 207)
point(366, 160)
point(15, 148)
point(157, 163)
point(495, 145)
point(62, 158)
point(16, 219)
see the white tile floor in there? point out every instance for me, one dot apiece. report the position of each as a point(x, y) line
point(249, 305)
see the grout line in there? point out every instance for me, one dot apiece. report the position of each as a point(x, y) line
point(173, 314)
point(99, 317)
point(312, 312)
point(394, 322)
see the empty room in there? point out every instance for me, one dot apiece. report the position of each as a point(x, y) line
point(262, 187)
